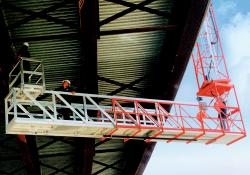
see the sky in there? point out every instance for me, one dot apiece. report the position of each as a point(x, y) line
point(233, 20)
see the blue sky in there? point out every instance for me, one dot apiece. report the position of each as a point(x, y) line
point(233, 19)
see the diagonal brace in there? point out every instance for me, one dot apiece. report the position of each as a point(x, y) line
point(142, 8)
point(42, 14)
point(125, 12)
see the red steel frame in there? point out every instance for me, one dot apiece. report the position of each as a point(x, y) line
point(213, 84)
point(183, 119)
point(210, 68)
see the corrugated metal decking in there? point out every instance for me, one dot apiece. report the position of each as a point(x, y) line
point(127, 58)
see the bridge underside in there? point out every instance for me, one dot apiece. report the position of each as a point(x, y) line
point(136, 49)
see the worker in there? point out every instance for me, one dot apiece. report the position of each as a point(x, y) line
point(223, 115)
point(63, 113)
point(202, 110)
point(66, 86)
point(24, 53)
point(220, 106)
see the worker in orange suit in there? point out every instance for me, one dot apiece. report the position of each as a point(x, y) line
point(201, 115)
point(220, 106)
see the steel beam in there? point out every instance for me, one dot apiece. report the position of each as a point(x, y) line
point(27, 143)
point(56, 155)
point(109, 150)
point(137, 154)
point(85, 151)
point(138, 30)
point(29, 154)
point(89, 34)
point(89, 31)
point(6, 53)
point(47, 37)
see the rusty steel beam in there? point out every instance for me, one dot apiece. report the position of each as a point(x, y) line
point(89, 32)
point(85, 151)
point(29, 154)
point(137, 153)
point(89, 18)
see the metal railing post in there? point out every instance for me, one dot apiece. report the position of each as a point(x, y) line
point(43, 77)
point(22, 75)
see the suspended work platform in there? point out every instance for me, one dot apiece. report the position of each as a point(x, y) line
point(215, 120)
point(102, 117)
point(87, 115)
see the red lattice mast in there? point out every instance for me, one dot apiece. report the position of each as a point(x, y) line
point(214, 84)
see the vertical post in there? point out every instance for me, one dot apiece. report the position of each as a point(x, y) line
point(115, 112)
point(30, 154)
point(54, 105)
point(43, 76)
point(217, 33)
point(14, 103)
point(6, 109)
point(138, 115)
point(201, 64)
point(22, 75)
point(238, 105)
point(89, 20)
point(89, 31)
point(209, 34)
point(85, 109)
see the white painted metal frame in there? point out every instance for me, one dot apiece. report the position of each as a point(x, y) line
point(102, 116)
point(36, 79)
